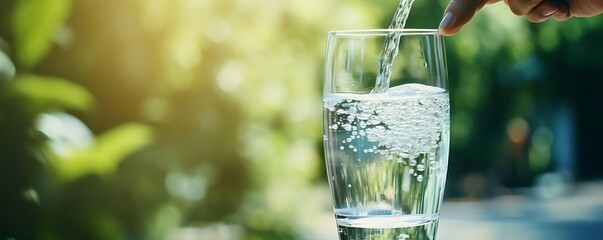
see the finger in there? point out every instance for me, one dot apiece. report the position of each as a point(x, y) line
point(542, 11)
point(584, 8)
point(458, 13)
point(563, 12)
point(522, 7)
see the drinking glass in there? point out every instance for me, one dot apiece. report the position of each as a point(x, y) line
point(386, 151)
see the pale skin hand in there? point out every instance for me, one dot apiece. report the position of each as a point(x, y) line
point(459, 12)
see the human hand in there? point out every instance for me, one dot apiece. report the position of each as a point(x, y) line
point(459, 12)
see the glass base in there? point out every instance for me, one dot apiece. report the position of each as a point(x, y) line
point(422, 232)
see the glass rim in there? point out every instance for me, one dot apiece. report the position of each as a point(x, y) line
point(383, 32)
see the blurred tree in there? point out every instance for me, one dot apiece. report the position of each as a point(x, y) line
point(231, 128)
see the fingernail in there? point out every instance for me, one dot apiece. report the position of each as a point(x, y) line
point(548, 11)
point(447, 20)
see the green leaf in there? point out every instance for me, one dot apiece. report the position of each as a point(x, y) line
point(7, 69)
point(4, 46)
point(35, 25)
point(106, 154)
point(51, 93)
point(114, 145)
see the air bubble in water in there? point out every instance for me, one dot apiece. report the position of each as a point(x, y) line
point(420, 178)
point(433, 164)
point(412, 162)
point(420, 167)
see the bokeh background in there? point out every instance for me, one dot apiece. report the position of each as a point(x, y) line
point(201, 119)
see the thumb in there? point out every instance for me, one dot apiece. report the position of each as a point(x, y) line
point(458, 13)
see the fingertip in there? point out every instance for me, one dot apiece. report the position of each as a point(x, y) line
point(542, 12)
point(458, 13)
point(447, 20)
point(547, 12)
point(447, 31)
point(446, 24)
point(561, 15)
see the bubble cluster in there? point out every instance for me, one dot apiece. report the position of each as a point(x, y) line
point(405, 123)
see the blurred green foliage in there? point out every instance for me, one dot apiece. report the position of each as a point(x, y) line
point(34, 24)
point(133, 119)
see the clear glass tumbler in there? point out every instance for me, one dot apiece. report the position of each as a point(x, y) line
point(386, 151)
